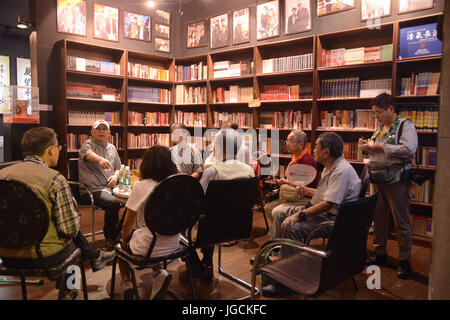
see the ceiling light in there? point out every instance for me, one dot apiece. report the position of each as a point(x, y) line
point(22, 22)
point(151, 4)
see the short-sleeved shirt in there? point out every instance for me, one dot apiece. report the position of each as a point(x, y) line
point(91, 174)
point(142, 237)
point(338, 184)
point(187, 158)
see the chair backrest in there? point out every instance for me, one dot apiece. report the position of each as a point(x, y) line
point(348, 242)
point(228, 211)
point(173, 206)
point(24, 217)
point(73, 169)
point(364, 176)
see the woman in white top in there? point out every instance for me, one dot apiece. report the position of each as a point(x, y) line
point(156, 166)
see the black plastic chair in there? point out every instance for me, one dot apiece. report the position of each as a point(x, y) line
point(24, 221)
point(311, 271)
point(173, 206)
point(227, 216)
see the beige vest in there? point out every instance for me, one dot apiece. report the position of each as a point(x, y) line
point(39, 178)
point(233, 169)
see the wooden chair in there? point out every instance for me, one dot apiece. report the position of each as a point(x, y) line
point(311, 271)
point(24, 221)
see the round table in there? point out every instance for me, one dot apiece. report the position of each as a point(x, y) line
point(121, 196)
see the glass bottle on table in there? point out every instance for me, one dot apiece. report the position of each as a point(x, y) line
point(127, 180)
point(121, 178)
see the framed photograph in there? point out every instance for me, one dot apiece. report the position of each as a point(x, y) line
point(162, 31)
point(371, 9)
point(219, 31)
point(405, 6)
point(162, 17)
point(196, 34)
point(268, 20)
point(106, 22)
point(297, 16)
point(162, 45)
point(325, 7)
point(71, 17)
point(241, 26)
point(137, 26)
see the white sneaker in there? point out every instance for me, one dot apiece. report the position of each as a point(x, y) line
point(160, 283)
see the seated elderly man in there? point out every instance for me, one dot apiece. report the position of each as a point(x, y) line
point(41, 150)
point(99, 169)
point(226, 167)
point(339, 183)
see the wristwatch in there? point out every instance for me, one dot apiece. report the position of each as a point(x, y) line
point(302, 216)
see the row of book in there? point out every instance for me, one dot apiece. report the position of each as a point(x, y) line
point(223, 69)
point(85, 117)
point(192, 72)
point(425, 156)
point(134, 163)
point(74, 140)
point(139, 70)
point(340, 88)
point(185, 94)
point(420, 84)
point(276, 92)
point(82, 64)
point(232, 94)
point(424, 118)
point(291, 63)
point(288, 119)
point(421, 226)
point(422, 193)
point(342, 56)
point(152, 95)
point(372, 88)
point(243, 119)
point(91, 91)
point(191, 119)
point(147, 140)
point(352, 152)
point(348, 119)
point(148, 118)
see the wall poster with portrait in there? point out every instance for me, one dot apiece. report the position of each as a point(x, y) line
point(372, 9)
point(268, 20)
point(162, 45)
point(162, 31)
point(162, 17)
point(325, 7)
point(106, 22)
point(137, 26)
point(71, 17)
point(297, 16)
point(405, 6)
point(196, 34)
point(241, 26)
point(219, 31)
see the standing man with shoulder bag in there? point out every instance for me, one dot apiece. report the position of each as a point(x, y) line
point(391, 150)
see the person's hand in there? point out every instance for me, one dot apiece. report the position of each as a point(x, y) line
point(282, 181)
point(362, 141)
point(112, 181)
point(303, 191)
point(289, 222)
point(105, 164)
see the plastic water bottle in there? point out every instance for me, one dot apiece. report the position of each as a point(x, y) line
point(121, 177)
point(127, 179)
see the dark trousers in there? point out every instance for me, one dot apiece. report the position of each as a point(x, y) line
point(112, 206)
point(87, 252)
point(207, 252)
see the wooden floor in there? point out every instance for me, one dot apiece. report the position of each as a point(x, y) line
point(235, 260)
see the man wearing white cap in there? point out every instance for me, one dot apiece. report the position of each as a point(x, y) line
point(99, 168)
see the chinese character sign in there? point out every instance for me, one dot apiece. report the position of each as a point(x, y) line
point(24, 80)
point(4, 81)
point(419, 41)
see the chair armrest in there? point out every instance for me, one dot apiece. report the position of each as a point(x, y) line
point(289, 242)
point(321, 225)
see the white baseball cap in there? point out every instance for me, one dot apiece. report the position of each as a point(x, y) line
point(99, 122)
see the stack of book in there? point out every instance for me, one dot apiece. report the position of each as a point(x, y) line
point(228, 68)
point(424, 118)
point(421, 226)
point(82, 64)
point(277, 92)
point(359, 118)
point(232, 94)
point(372, 88)
point(190, 73)
point(147, 140)
point(90, 91)
point(151, 95)
point(422, 193)
point(291, 63)
point(191, 119)
point(352, 152)
point(420, 84)
point(134, 164)
point(340, 88)
point(342, 56)
point(148, 118)
point(74, 141)
point(244, 120)
point(83, 117)
point(147, 72)
point(189, 95)
point(288, 119)
point(425, 156)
